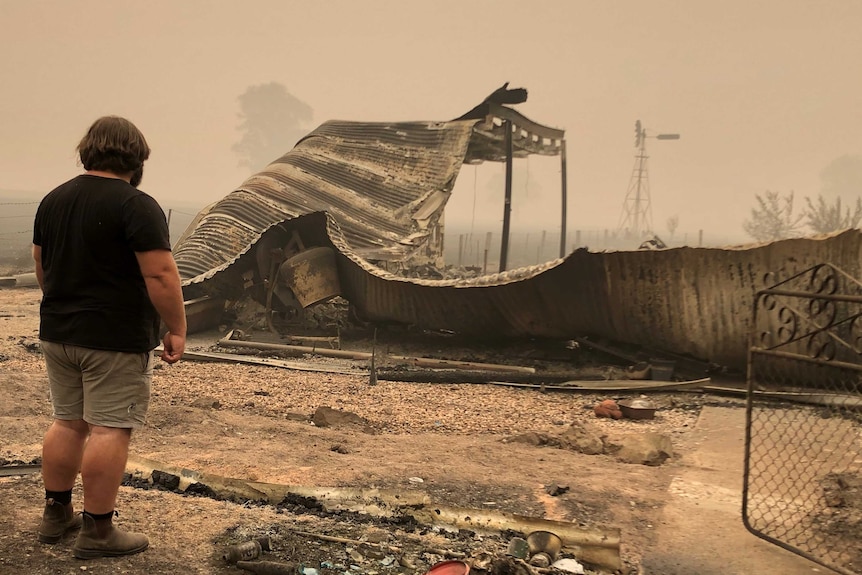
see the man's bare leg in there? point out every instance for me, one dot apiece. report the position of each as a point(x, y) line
point(102, 472)
point(102, 468)
point(62, 451)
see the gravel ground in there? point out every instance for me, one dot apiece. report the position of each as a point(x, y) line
point(254, 423)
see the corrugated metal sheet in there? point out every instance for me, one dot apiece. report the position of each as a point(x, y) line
point(528, 137)
point(695, 301)
point(386, 184)
point(373, 179)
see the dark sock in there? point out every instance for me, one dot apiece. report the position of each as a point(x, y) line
point(100, 516)
point(61, 497)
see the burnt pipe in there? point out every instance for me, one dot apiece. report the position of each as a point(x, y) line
point(298, 504)
point(292, 503)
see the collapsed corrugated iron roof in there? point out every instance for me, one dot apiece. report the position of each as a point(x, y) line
point(385, 184)
point(374, 193)
point(382, 183)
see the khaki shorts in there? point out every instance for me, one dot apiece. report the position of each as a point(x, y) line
point(104, 388)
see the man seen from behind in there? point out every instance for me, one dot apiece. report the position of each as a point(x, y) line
point(104, 263)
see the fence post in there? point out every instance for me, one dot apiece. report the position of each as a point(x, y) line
point(507, 202)
point(564, 183)
point(487, 249)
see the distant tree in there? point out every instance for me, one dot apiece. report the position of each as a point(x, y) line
point(842, 178)
point(672, 224)
point(273, 121)
point(827, 217)
point(772, 218)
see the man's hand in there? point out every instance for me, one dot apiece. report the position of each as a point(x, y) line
point(174, 346)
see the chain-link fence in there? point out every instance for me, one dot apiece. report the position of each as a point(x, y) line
point(803, 452)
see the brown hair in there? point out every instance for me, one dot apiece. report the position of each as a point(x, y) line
point(113, 144)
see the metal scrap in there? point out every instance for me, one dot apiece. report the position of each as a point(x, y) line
point(21, 469)
point(227, 341)
point(597, 546)
point(267, 361)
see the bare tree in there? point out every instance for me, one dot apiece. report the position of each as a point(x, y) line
point(828, 217)
point(772, 218)
point(272, 122)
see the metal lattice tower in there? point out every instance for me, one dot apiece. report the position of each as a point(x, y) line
point(636, 217)
point(637, 209)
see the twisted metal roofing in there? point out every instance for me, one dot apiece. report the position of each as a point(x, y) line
point(373, 191)
point(690, 301)
point(383, 183)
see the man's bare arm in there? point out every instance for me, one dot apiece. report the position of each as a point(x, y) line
point(40, 273)
point(163, 286)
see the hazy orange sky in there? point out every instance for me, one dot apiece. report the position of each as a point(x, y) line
point(765, 94)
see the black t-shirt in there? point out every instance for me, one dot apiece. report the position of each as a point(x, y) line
point(94, 294)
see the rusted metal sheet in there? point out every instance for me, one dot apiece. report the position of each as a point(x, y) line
point(373, 179)
point(385, 184)
point(694, 301)
point(312, 275)
point(528, 137)
point(203, 313)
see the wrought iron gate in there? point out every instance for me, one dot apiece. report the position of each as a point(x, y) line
point(803, 448)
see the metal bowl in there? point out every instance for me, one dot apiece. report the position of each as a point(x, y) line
point(544, 542)
point(637, 408)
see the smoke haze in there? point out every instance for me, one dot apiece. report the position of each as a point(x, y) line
point(765, 95)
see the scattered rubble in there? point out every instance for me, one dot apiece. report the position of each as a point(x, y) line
point(583, 438)
point(648, 449)
point(279, 395)
point(555, 490)
point(842, 517)
point(326, 416)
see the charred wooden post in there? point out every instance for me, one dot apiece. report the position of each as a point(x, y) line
point(487, 251)
point(565, 198)
point(507, 203)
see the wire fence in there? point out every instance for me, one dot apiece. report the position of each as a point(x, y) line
point(803, 455)
point(526, 248)
point(479, 249)
point(16, 233)
point(22, 223)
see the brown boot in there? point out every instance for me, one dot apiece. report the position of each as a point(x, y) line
point(99, 538)
point(57, 519)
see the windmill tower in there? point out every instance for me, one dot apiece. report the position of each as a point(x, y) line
point(636, 217)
